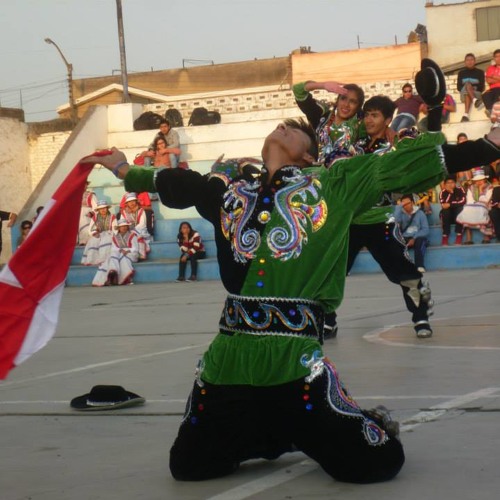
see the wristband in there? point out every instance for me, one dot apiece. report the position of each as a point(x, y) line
point(118, 166)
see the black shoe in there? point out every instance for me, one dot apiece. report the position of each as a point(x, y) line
point(191, 278)
point(464, 119)
point(478, 103)
point(180, 279)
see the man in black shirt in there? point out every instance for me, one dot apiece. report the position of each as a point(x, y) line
point(470, 84)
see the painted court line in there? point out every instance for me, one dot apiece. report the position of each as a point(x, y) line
point(291, 472)
point(375, 337)
point(104, 363)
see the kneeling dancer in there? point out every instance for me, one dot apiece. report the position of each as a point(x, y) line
point(264, 386)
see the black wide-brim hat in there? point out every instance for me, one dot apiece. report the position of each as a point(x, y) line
point(430, 83)
point(106, 397)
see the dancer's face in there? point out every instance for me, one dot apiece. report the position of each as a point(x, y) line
point(376, 124)
point(292, 143)
point(122, 229)
point(185, 229)
point(347, 105)
point(103, 211)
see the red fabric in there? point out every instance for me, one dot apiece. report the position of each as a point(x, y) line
point(41, 263)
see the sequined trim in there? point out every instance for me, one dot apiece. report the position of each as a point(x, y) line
point(272, 316)
point(339, 399)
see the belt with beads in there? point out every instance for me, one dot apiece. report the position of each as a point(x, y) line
point(272, 316)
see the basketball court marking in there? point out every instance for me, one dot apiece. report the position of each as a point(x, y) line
point(104, 363)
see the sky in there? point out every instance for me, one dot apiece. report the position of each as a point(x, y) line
point(160, 34)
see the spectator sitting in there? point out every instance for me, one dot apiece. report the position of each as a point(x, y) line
point(470, 84)
point(409, 106)
point(192, 249)
point(118, 268)
point(493, 80)
point(11, 218)
point(98, 246)
point(172, 141)
point(37, 214)
point(449, 106)
point(26, 226)
point(475, 212)
point(452, 199)
point(495, 113)
point(495, 211)
point(89, 202)
point(161, 155)
point(136, 216)
point(462, 178)
point(414, 228)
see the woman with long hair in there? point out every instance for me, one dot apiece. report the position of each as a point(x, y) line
point(192, 250)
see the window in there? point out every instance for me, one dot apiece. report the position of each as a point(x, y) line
point(488, 23)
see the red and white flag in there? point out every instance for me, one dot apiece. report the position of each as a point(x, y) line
point(32, 282)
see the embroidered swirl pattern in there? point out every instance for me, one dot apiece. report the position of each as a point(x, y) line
point(339, 399)
point(239, 203)
point(291, 202)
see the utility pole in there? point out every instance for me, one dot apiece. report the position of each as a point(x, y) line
point(69, 67)
point(123, 58)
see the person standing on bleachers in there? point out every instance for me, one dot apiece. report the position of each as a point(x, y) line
point(11, 218)
point(89, 202)
point(452, 199)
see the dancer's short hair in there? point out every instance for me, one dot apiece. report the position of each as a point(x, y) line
point(301, 124)
point(380, 103)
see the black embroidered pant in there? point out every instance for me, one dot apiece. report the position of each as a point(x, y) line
point(226, 425)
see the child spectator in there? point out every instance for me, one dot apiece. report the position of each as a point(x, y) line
point(452, 199)
point(26, 226)
point(118, 268)
point(414, 228)
point(136, 216)
point(192, 249)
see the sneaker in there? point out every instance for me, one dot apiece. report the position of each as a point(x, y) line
point(191, 278)
point(330, 331)
point(423, 329)
point(458, 239)
point(421, 269)
point(464, 119)
point(444, 242)
point(478, 103)
point(382, 416)
point(180, 279)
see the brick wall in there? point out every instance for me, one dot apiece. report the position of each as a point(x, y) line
point(42, 151)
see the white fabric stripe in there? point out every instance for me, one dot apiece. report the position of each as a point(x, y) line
point(43, 324)
point(7, 277)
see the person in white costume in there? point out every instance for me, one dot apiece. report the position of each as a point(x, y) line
point(118, 268)
point(89, 203)
point(136, 216)
point(101, 230)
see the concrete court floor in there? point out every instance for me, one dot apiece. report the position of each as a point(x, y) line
point(445, 391)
